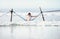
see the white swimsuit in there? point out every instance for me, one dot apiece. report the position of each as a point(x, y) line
point(28, 18)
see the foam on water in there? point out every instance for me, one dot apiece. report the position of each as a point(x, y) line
point(30, 32)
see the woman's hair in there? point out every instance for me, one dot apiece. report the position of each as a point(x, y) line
point(29, 14)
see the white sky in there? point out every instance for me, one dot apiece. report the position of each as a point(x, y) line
point(50, 4)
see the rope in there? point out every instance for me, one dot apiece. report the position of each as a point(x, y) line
point(21, 17)
point(35, 17)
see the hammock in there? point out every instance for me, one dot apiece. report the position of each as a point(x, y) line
point(21, 17)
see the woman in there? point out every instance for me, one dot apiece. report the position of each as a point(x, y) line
point(29, 16)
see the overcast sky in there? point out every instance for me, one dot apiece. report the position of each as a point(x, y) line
point(34, 4)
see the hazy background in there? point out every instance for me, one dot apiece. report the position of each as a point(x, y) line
point(29, 5)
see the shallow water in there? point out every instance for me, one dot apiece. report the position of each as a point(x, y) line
point(30, 32)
